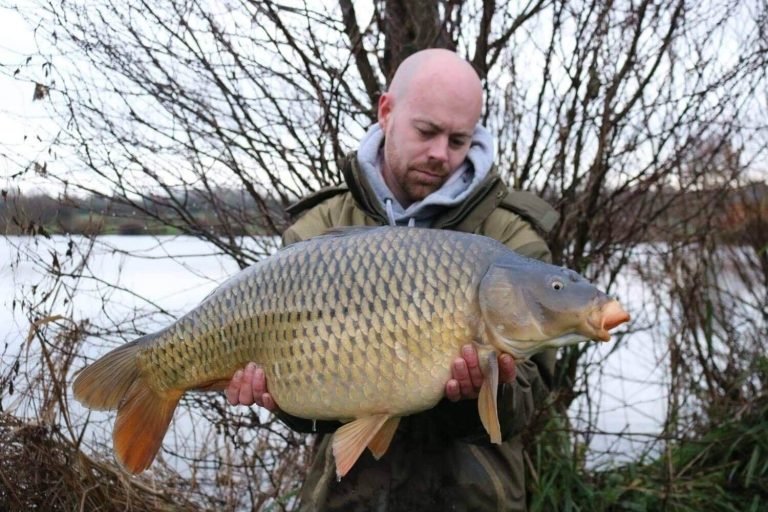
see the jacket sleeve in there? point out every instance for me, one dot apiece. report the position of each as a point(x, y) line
point(313, 222)
point(307, 426)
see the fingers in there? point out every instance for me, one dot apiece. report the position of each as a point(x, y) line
point(473, 365)
point(467, 376)
point(260, 391)
point(452, 390)
point(233, 390)
point(462, 379)
point(507, 369)
point(248, 387)
point(268, 402)
point(247, 396)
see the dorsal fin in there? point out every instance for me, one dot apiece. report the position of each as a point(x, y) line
point(344, 231)
point(340, 231)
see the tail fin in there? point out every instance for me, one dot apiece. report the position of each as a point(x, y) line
point(141, 425)
point(143, 415)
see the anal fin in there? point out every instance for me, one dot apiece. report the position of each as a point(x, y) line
point(350, 440)
point(486, 401)
point(381, 441)
point(142, 421)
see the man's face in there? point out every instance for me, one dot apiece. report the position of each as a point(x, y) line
point(428, 132)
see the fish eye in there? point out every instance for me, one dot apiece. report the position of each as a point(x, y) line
point(557, 285)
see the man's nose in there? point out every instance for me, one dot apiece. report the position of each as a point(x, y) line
point(438, 149)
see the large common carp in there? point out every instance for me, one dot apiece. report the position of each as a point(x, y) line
point(359, 325)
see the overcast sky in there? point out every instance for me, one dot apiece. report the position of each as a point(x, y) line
point(20, 117)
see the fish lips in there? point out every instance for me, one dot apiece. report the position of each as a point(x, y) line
point(605, 318)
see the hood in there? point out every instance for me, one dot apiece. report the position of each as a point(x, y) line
point(467, 179)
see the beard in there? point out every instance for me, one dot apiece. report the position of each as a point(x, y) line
point(412, 181)
point(422, 179)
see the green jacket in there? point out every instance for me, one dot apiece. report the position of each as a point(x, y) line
point(440, 459)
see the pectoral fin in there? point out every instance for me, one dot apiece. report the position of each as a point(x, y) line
point(486, 401)
point(383, 438)
point(350, 440)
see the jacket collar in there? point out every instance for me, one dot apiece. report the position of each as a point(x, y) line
point(465, 217)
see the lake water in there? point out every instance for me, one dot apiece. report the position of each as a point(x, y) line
point(132, 273)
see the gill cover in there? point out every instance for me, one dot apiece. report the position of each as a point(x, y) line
point(528, 305)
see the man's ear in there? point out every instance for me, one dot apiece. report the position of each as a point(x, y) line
point(385, 109)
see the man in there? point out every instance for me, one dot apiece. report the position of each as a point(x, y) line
point(427, 163)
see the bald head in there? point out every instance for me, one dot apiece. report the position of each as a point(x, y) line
point(428, 117)
point(438, 69)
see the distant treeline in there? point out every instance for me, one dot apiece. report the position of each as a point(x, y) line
point(219, 211)
point(739, 213)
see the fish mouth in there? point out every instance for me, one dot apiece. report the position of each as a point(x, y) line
point(605, 318)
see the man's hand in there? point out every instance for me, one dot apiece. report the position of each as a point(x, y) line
point(468, 378)
point(249, 387)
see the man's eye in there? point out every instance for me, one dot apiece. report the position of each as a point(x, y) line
point(457, 143)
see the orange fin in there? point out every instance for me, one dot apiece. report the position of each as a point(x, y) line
point(142, 421)
point(380, 443)
point(486, 401)
point(103, 384)
point(350, 440)
point(115, 382)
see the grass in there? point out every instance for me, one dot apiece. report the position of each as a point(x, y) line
point(725, 468)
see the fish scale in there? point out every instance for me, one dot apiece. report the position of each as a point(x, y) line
point(346, 334)
point(361, 325)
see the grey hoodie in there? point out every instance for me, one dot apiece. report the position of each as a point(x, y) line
point(458, 187)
